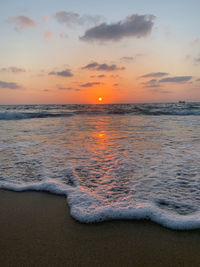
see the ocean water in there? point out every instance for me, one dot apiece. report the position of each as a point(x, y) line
point(130, 161)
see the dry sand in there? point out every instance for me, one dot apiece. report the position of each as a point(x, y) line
point(36, 230)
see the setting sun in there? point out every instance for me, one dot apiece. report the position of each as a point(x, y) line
point(100, 99)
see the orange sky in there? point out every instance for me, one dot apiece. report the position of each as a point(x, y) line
point(124, 53)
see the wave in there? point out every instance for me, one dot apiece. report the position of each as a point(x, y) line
point(51, 111)
point(85, 208)
point(140, 168)
point(30, 115)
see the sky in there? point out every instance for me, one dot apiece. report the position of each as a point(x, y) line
point(73, 52)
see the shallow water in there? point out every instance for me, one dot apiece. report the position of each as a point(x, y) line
point(111, 163)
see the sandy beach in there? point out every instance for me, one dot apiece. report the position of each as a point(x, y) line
point(36, 229)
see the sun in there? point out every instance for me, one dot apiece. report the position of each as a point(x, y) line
point(100, 99)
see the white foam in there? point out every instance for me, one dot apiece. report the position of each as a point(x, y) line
point(87, 209)
point(43, 186)
point(117, 167)
point(83, 212)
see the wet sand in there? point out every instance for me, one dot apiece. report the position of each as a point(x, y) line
point(36, 230)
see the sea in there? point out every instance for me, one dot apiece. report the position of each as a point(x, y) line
point(116, 161)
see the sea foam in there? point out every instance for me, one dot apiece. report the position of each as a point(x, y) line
point(86, 209)
point(109, 166)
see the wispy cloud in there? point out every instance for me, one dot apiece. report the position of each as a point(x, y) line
point(98, 76)
point(12, 69)
point(154, 75)
point(195, 41)
point(90, 84)
point(168, 31)
point(48, 35)
point(22, 22)
point(68, 18)
point(127, 59)
point(133, 26)
point(102, 67)
point(63, 35)
point(176, 79)
point(63, 73)
point(153, 83)
point(157, 90)
point(45, 18)
point(193, 59)
point(68, 88)
point(9, 85)
point(65, 17)
point(197, 60)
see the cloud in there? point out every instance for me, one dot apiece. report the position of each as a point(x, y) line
point(68, 18)
point(168, 31)
point(65, 17)
point(9, 85)
point(127, 59)
point(12, 69)
point(22, 22)
point(93, 65)
point(68, 88)
point(45, 18)
point(90, 84)
point(63, 73)
point(48, 35)
point(151, 84)
point(160, 91)
point(102, 67)
point(63, 35)
point(176, 79)
point(114, 76)
point(198, 80)
point(115, 84)
point(154, 75)
point(133, 26)
point(197, 60)
point(98, 76)
point(195, 42)
point(154, 83)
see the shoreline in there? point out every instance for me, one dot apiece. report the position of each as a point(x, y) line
point(36, 229)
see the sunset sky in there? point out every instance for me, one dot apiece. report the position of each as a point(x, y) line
point(77, 51)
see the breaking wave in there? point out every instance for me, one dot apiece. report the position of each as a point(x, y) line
point(50, 111)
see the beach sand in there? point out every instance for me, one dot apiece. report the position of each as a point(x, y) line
point(36, 229)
